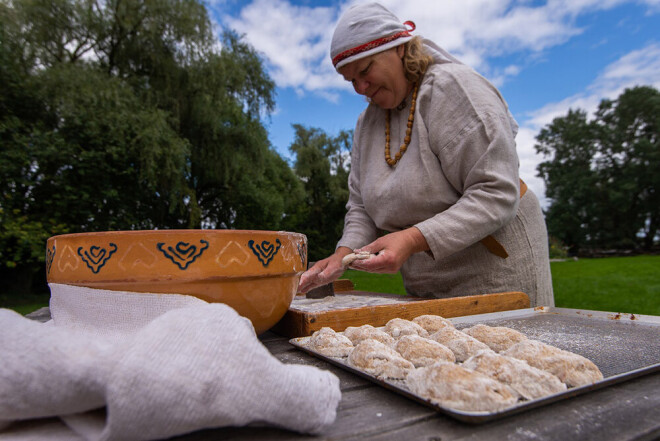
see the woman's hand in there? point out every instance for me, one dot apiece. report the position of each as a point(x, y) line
point(392, 250)
point(324, 271)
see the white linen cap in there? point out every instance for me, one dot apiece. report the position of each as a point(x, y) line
point(364, 30)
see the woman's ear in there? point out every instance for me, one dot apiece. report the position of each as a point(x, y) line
point(401, 50)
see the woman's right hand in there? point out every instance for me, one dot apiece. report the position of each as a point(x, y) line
point(324, 271)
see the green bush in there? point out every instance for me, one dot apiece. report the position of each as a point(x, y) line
point(557, 249)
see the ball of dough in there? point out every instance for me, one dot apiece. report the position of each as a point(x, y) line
point(378, 359)
point(498, 338)
point(572, 369)
point(398, 327)
point(450, 385)
point(462, 345)
point(432, 323)
point(423, 351)
point(360, 333)
point(327, 342)
point(352, 257)
point(528, 381)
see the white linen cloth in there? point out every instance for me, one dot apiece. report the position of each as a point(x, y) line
point(128, 366)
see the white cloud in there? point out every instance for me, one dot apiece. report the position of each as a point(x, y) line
point(653, 5)
point(638, 67)
point(295, 40)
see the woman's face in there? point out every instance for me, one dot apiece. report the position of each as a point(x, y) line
point(379, 77)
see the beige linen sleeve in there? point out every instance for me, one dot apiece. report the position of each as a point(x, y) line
point(470, 133)
point(359, 227)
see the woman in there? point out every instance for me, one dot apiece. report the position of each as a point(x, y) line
point(434, 171)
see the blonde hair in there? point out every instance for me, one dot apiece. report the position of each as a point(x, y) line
point(415, 59)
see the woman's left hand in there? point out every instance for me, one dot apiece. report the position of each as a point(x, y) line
point(392, 251)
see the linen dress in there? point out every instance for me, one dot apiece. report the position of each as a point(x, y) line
point(457, 183)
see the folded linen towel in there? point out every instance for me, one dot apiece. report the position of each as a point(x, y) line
point(191, 365)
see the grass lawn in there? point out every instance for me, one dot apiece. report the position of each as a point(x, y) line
point(385, 283)
point(24, 304)
point(617, 284)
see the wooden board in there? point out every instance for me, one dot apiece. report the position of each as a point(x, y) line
point(343, 285)
point(300, 323)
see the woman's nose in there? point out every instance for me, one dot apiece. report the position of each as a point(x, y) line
point(361, 86)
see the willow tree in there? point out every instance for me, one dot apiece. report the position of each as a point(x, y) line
point(322, 164)
point(130, 114)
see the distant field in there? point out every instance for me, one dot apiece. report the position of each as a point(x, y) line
point(385, 283)
point(617, 284)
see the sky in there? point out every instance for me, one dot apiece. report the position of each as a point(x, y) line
point(545, 57)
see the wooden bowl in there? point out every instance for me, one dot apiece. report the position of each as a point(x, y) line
point(254, 272)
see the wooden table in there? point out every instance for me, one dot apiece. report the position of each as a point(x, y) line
point(625, 411)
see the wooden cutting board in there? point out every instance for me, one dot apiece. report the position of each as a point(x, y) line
point(356, 308)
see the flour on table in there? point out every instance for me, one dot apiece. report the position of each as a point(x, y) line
point(343, 301)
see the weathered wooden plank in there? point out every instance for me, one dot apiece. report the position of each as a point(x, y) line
point(360, 413)
point(627, 411)
point(373, 410)
point(281, 345)
point(348, 380)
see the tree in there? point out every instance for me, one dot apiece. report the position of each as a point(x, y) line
point(322, 164)
point(602, 175)
point(130, 114)
point(629, 165)
point(569, 177)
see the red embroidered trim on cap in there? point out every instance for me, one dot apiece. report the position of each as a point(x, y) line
point(373, 44)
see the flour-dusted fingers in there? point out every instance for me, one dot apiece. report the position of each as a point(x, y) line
point(323, 272)
point(309, 279)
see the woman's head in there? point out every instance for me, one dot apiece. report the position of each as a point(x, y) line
point(379, 77)
point(375, 51)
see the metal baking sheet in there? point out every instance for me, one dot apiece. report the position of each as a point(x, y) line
point(623, 346)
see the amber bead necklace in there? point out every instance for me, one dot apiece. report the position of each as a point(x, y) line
point(411, 118)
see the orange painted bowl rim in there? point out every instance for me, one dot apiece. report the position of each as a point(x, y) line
point(294, 263)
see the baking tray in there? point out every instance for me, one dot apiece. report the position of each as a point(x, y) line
point(623, 346)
